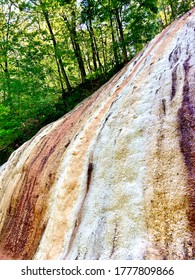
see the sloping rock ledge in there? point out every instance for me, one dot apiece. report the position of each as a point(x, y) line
point(114, 178)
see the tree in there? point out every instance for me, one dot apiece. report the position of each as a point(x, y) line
point(6, 34)
point(88, 14)
point(169, 9)
point(70, 20)
point(59, 62)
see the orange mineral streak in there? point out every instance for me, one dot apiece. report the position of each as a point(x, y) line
point(80, 154)
point(26, 217)
point(25, 220)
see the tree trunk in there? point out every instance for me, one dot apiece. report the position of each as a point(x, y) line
point(79, 57)
point(164, 12)
point(97, 54)
point(95, 43)
point(58, 57)
point(173, 12)
point(103, 51)
point(75, 44)
point(86, 56)
point(125, 56)
point(7, 76)
point(92, 47)
point(61, 82)
point(5, 52)
point(114, 43)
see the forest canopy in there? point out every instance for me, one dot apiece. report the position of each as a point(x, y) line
point(55, 53)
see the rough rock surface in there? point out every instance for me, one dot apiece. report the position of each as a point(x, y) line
point(114, 178)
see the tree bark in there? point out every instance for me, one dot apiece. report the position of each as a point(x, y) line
point(5, 54)
point(103, 43)
point(61, 82)
point(173, 12)
point(76, 47)
point(58, 57)
point(125, 56)
point(114, 42)
point(97, 54)
point(90, 30)
point(86, 57)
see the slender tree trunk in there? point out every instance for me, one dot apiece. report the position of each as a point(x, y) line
point(4, 92)
point(61, 82)
point(58, 57)
point(92, 47)
point(7, 79)
point(105, 47)
point(121, 35)
point(173, 12)
point(95, 43)
point(114, 43)
point(164, 11)
point(87, 63)
point(103, 50)
point(7, 76)
point(86, 56)
point(5, 51)
point(121, 57)
point(97, 53)
point(79, 57)
point(76, 46)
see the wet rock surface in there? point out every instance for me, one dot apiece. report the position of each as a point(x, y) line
point(115, 177)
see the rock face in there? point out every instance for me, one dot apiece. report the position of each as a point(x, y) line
point(114, 178)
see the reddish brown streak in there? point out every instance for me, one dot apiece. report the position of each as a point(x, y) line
point(25, 222)
point(187, 144)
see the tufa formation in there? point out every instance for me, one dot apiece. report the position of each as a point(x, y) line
point(115, 177)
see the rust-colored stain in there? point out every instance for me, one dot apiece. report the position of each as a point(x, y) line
point(174, 82)
point(25, 222)
point(187, 143)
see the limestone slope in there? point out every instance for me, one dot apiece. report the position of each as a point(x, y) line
point(114, 178)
